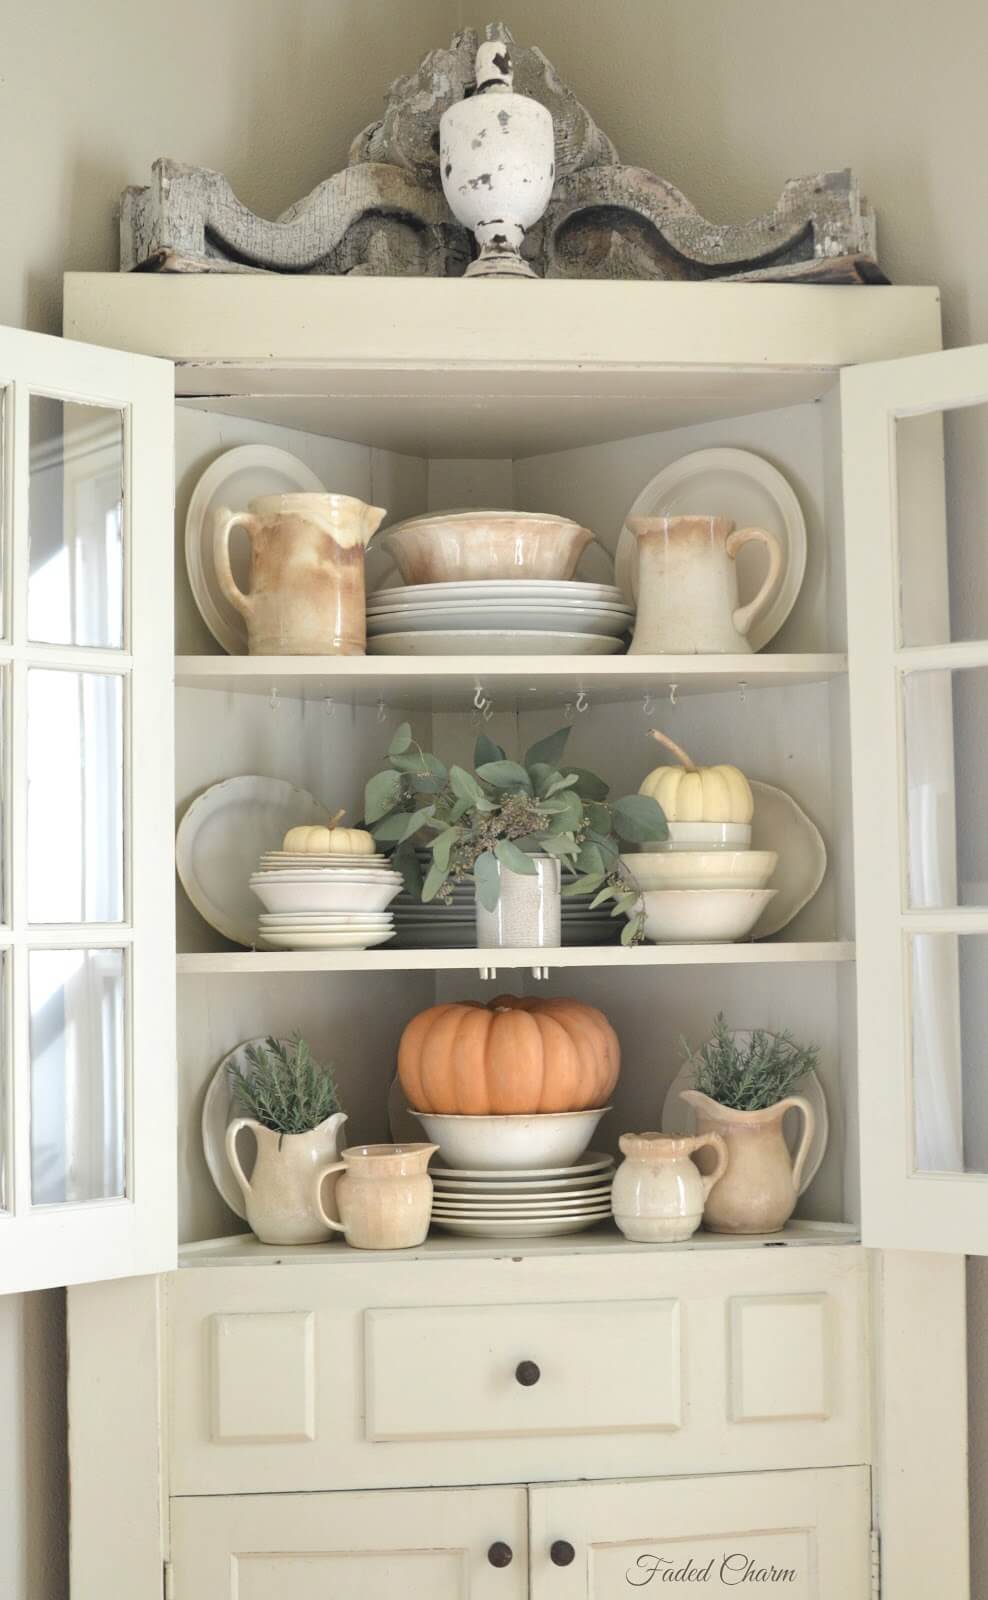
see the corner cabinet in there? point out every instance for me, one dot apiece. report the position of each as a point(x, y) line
point(722, 1413)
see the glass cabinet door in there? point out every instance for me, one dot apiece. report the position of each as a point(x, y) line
point(915, 454)
point(87, 1056)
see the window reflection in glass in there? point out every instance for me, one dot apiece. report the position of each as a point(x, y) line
point(5, 1129)
point(946, 781)
point(75, 578)
point(950, 1052)
point(75, 797)
point(78, 1098)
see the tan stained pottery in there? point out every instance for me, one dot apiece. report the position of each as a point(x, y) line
point(760, 1188)
point(307, 592)
point(280, 1195)
point(384, 1195)
point(458, 546)
point(688, 585)
point(658, 1194)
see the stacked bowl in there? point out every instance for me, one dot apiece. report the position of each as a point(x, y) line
point(324, 902)
point(703, 885)
point(494, 583)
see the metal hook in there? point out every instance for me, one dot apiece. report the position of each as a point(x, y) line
point(488, 710)
point(479, 698)
point(329, 706)
point(273, 697)
point(648, 705)
point(742, 686)
point(582, 703)
point(382, 711)
point(672, 693)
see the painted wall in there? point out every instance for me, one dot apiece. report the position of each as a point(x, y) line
point(725, 99)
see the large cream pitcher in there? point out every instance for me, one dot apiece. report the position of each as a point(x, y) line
point(688, 585)
point(760, 1188)
point(307, 594)
point(282, 1195)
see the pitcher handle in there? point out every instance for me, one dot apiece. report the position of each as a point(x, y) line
point(719, 1146)
point(226, 521)
point(338, 1166)
point(809, 1127)
point(744, 616)
point(232, 1153)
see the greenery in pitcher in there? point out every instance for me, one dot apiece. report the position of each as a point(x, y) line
point(283, 1088)
point(748, 1073)
point(507, 811)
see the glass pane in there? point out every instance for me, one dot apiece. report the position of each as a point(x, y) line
point(950, 1052)
point(3, 513)
point(5, 1128)
point(75, 797)
point(944, 583)
point(946, 731)
point(78, 1118)
point(75, 579)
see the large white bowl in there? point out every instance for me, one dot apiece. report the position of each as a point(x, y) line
point(451, 546)
point(702, 836)
point(507, 1144)
point(702, 869)
point(277, 892)
point(702, 916)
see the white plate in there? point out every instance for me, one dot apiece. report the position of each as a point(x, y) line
point(218, 1111)
point(510, 1218)
point(477, 1229)
point(220, 838)
point(235, 478)
point(679, 1117)
point(545, 1205)
point(486, 643)
point(328, 941)
point(780, 824)
point(754, 494)
point(449, 619)
point(487, 589)
point(596, 1186)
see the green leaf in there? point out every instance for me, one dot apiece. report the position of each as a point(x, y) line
point(559, 783)
point(434, 880)
point(464, 784)
point(549, 749)
point(391, 829)
point(413, 763)
point(505, 775)
point(417, 820)
point(623, 904)
point(584, 885)
point(487, 879)
point(561, 845)
point(381, 795)
point(541, 775)
point(401, 739)
point(631, 932)
point(589, 786)
point(598, 816)
point(514, 859)
point(638, 817)
point(442, 844)
point(571, 814)
point(608, 892)
point(407, 863)
point(486, 750)
point(459, 809)
point(591, 859)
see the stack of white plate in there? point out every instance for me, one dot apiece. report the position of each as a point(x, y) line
point(314, 902)
point(496, 616)
point(534, 1204)
point(434, 925)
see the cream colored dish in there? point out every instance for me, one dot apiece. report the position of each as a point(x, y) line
point(702, 869)
point(702, 916)
point(702, 836)
point(452, 546)
point(510, 1143)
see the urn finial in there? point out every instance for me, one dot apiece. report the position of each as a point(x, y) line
point(493, 68)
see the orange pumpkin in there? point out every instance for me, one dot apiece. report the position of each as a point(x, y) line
point(514, 1056)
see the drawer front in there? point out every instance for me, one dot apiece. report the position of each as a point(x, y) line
point(473, 1372)
point(391, 1374)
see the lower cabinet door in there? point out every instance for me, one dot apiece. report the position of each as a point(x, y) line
point(416, 1544)
point(802, 1535)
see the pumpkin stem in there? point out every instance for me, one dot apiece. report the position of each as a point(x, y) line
point(336, 817)
point(677, 749)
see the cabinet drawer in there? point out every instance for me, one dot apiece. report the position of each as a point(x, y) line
point(462, 1372)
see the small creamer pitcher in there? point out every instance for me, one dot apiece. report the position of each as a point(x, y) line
point(384, 1195)
point(658, 1193)
point(307, 595)
point(688, 585)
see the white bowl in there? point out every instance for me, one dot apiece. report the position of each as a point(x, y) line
point(702, 916)
point(703, 836)
point(277, 892)
point(506, 1144)
point(702, 869)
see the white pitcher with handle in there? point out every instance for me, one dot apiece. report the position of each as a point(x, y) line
point(282, 1195)
point(688, 585)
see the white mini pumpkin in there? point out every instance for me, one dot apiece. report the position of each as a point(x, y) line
point(329, 840)
point(698, 794)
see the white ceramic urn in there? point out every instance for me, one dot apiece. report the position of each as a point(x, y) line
point(497, 160)
point(658, 1193)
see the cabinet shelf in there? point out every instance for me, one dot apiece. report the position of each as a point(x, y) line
point(765, 953)
point(241, 1249)
point(448, 683)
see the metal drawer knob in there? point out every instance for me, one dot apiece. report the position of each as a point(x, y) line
point(561, 1553)
point(527, 1373)
point(500, 1554)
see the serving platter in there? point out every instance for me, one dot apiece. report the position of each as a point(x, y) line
point(754, 494)
point(780, 824)
point(233, 480)
point(218, 1111)
point(220, 838)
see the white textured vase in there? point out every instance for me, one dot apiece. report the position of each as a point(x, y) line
point(497, 160)
point(528, 911)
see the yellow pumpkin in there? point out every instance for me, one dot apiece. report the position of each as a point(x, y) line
point(329, 840)
point(698, 794)
point(512, 1057)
